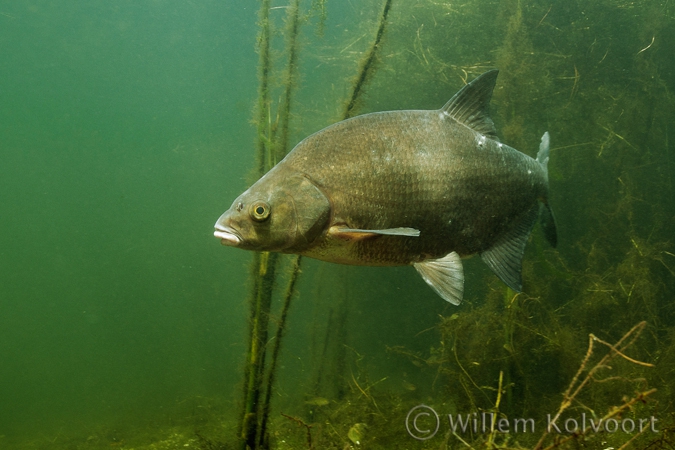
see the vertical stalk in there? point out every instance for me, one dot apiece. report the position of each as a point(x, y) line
point(263, 263)
point(336, 330)
point(280, 150)
point(263, 121)
point(255, 361)
point(367, 64)
point(271, 148)
point(290, 77)
point(263, 439)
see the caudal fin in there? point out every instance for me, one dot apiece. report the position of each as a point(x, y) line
point(547, 218)
point(542, 154)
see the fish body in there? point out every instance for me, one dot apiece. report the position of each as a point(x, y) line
point(421, 188)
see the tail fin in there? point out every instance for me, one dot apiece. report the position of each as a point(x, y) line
point(542, 155)
point(547, 219)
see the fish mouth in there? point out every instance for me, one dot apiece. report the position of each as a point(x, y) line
point(227, 235)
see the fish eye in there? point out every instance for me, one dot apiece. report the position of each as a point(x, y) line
point(259, 211)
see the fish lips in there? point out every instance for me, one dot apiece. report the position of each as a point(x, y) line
point(227, 235)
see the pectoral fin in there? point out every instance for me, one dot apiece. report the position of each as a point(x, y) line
point(356, 233)
point(445, 276)
point(505, 257)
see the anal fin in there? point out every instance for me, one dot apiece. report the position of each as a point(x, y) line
point(445, 276)
point(505, 257)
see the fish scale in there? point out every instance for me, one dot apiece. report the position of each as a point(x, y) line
point(402, 187)
point(450, 197)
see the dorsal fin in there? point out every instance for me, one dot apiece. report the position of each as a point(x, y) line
point(470, 105)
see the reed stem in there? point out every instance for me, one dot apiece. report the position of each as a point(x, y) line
point(280, 148)
point(264, 264)
point(271, 148)
point(336, 331)
point(290, 77)
point(255, 361)
point(288, 295)
point(367, 64)
point(263, 107)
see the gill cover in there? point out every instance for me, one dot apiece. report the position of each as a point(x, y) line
point(312, 211)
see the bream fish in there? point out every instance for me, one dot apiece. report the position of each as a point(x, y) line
point(424, 188)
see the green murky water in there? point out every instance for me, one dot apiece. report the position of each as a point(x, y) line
point(126, 130)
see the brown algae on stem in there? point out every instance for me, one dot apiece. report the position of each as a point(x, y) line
point(367, 64)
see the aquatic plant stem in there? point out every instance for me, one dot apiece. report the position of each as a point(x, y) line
point(281, 147)
point(303, 424)
point(491, 436)
point(367, 64)
point(271, 148)
point(336, 330)
point(263, 108)
point(510, 304)
point(288, 295)
point(578, 383)
point(263, 263)
point(255, 362)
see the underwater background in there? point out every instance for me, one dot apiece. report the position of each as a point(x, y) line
point(127, 128)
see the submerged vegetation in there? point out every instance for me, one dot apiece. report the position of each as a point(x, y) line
point(273, 145)
point(590, 341)
point(591, 336)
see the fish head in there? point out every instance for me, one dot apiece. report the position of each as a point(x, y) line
point(279, 213)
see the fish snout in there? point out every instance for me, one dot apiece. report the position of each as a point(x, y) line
point(226, 234)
